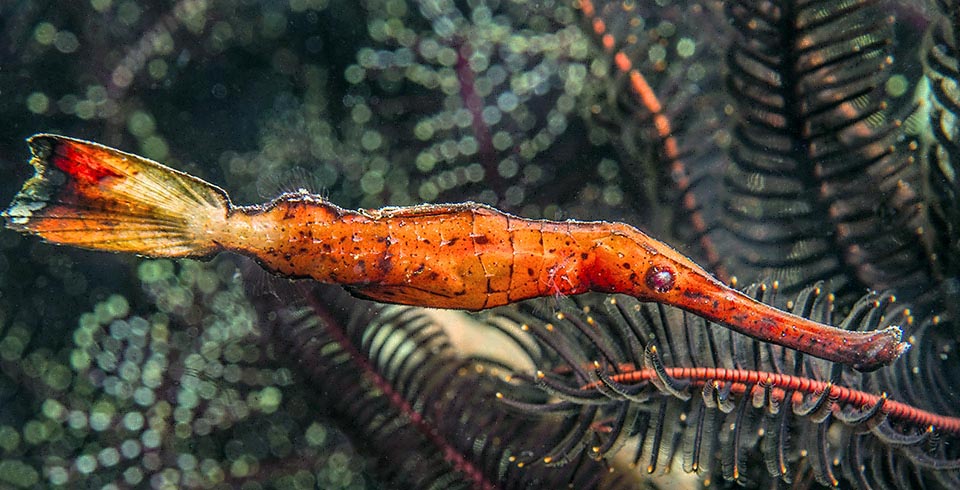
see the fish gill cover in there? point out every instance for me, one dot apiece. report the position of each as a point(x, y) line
point(810, 145)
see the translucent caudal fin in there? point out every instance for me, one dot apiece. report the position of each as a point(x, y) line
point(92, 196)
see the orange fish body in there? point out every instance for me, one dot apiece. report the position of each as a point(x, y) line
point(464, 256)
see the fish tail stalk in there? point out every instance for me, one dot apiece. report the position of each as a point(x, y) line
point(88, 195)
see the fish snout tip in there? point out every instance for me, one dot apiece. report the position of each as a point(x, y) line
point(886, 348)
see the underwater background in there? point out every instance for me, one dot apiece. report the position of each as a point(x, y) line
point(810, 147)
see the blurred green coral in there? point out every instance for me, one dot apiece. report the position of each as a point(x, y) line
point(178, 395)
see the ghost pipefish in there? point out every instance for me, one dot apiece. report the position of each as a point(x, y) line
point(462, 256)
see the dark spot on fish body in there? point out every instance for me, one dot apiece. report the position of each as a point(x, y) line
point(767, 322)
point(385, 263)
point(530, 271)
point(481, 239)
point(695, 295)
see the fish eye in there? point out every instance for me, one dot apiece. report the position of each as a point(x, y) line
point(660, 279)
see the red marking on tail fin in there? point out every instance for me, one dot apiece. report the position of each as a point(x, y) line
point(80, 162)
point(93, 196)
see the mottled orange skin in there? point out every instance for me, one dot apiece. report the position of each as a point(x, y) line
point(463, 256)
point(470, 256)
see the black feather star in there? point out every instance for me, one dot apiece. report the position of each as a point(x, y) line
point(717, 403)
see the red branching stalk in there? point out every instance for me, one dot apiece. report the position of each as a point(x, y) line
point(750, 382)
point(450, 453)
